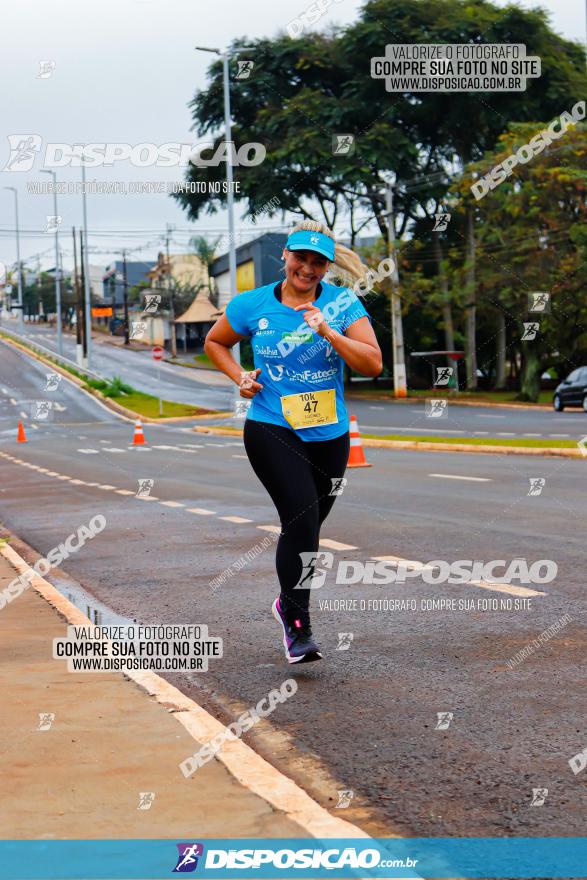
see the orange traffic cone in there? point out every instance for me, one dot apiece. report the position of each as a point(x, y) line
point(356, 454)
point(138, 436)
point(21, 436)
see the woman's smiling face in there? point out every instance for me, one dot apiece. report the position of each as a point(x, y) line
point(304, 269)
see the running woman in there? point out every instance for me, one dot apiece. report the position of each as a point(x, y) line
point(296, 433)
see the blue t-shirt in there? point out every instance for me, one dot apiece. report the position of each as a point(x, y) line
point(292, 357)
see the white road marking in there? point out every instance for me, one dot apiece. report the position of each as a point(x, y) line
point(175, 448)
point(235, 519)
point(559, 435)
point(531, 435)
point(147, 497)
point(13, 401)
point(113, 449)
point(193, 445)
point(236, 455)
point(274, 529)
point(336, 545)
point(481, 433)
point(89, 451)
point(393, 429)
point(125, 492)
point(106, 487)
point(22, 414)
point(378, 407)
point(484, 585)
point(34, 427)
point(487, 416)
point(5, 390)
point(171, 504)
point(504, 434)
point(201, 511)
point(458, 477)
point(78, 482)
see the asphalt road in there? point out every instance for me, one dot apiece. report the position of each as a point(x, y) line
point(208, 388)
point(365, 719)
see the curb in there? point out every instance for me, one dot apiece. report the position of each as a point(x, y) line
point(491, 404)
point(247, 767)
point(127, 414)
point(430, 447)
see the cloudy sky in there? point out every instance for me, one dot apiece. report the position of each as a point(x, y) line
point(124, 73)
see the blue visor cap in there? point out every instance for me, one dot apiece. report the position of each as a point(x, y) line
point(304, 240)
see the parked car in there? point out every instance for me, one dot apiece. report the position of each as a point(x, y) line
point(572, 391)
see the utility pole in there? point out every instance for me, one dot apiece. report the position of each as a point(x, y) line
point(57, 267)
point(83, 301)
point(18, 265)
point(125, 295)
point(397, 333)
point(173, 338)
point(78, 311)
point(86, 273)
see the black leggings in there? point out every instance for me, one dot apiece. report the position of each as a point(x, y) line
point(299, 478)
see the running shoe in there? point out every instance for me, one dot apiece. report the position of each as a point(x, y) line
point(298, 643)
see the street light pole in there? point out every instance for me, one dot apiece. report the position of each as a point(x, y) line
point(86, 272)
point(57, 266)
point(19, 270)
point(229, 175)
point(399, 362)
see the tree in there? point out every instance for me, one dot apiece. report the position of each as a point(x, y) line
point(531, 238)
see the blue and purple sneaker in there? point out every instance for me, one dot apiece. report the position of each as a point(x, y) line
point(298, 643)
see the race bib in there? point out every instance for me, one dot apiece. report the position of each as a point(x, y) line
point(310, 408)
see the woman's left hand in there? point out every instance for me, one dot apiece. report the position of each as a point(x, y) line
point(314, 318)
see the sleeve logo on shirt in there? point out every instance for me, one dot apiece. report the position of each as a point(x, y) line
point(263, 323)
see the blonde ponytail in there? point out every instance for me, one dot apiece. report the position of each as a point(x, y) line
point(348, 266)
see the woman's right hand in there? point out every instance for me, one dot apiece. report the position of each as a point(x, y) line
point(248, 384)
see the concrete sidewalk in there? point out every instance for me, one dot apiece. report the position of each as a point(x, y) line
point(109, 741)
